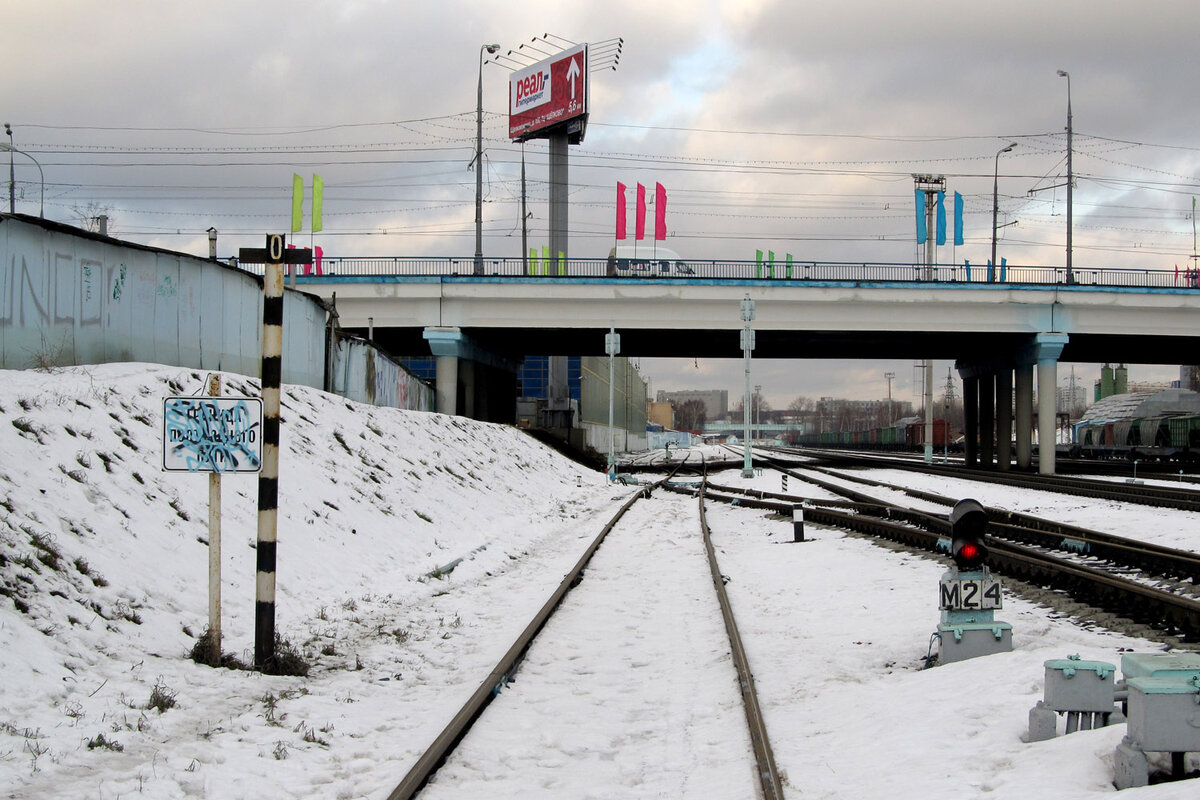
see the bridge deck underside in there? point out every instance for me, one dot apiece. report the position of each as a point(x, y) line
point(648, 343)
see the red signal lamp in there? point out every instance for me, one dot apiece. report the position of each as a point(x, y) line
point(968, 521)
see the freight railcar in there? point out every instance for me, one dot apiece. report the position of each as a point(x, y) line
point(1158, 437)
point(906, 435)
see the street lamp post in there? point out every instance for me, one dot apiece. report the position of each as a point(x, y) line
point(491, 48)
point(758, 411)
point(1070, 174)
point(889, 377)
point(41, 174)
point(12, 179)
point(996, 209)
point(747, 348)
point(612, 346)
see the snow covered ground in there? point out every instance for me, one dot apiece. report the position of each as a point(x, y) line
point(103, 563)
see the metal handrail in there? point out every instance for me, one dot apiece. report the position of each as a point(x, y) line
point(796, 272)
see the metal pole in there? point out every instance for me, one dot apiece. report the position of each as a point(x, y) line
point(12, 175)
point(214, 548)
point(611, 379)
point(524, 216)
point(1070, 175)
point(758, 412)
point(747, 466)
point(491, 48)
point(930, 257)
point(747, 346)
point(889, 376)
point(612, 346)
point(996, 210)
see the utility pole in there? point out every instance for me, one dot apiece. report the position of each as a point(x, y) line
point(889, 376)
point(931, 185)
point(12, 175)
point(948, 403)
point(747, 347)
point(1070, 173)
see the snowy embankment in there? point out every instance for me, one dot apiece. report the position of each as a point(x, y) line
point(104, 564)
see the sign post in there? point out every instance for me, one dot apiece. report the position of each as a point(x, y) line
point(214, 549)
point(214, 435)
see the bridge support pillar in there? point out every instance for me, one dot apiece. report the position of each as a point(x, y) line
point(447, 384)
point(471, 381)
point(1048, 347)
point(970, 420)
point(1004, 418)
point(466, 377)
point(1024, 374)
point(987, 417)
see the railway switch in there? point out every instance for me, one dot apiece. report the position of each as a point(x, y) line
point(1084, 690)
point(968, 594)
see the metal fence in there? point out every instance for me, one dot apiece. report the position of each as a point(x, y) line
point(776, 271)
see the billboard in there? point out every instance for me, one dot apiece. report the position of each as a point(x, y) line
point(550, 94)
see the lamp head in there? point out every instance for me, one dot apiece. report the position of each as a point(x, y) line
point(1062, 73)
point(1009, 148)
point(491, 48)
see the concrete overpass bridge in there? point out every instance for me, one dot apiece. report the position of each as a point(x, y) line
point(998, 333)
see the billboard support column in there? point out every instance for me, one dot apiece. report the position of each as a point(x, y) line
point(559, 185)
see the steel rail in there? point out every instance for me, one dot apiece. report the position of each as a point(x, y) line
point(1141, 494)
point(1113, 593)
point(764, 757)
point(435, 755)
point(429, 762)
point(1163, 560)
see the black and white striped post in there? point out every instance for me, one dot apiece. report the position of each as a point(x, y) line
point(273, 257)
point(783, 481)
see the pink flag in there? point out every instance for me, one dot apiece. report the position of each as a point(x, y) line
point(620, 210)
point(641, 212)
point(660, 212)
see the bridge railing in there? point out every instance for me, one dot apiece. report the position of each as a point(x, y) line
point(777, 272)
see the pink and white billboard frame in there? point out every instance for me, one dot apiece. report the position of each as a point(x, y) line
point(550, 96)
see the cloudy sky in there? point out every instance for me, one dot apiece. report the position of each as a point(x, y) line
point(772, 124)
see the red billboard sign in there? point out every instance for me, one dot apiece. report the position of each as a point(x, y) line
point(550, 94)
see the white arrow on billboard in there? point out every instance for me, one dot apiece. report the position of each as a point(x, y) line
point(572, 74)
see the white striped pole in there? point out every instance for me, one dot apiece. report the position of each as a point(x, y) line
point(268, 479)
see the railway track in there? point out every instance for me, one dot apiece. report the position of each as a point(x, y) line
point(1040, 552)
point(767, 778)
point(1184, 499)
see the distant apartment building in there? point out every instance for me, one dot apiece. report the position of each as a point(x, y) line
point(716, 401)
point(661, 414)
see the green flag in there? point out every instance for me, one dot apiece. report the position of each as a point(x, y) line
point(297, 202)
point(317, 201)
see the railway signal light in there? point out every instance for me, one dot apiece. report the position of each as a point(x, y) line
point(968, 521)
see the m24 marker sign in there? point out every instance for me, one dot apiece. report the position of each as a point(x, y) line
point(212, 434)
point(548, 94)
